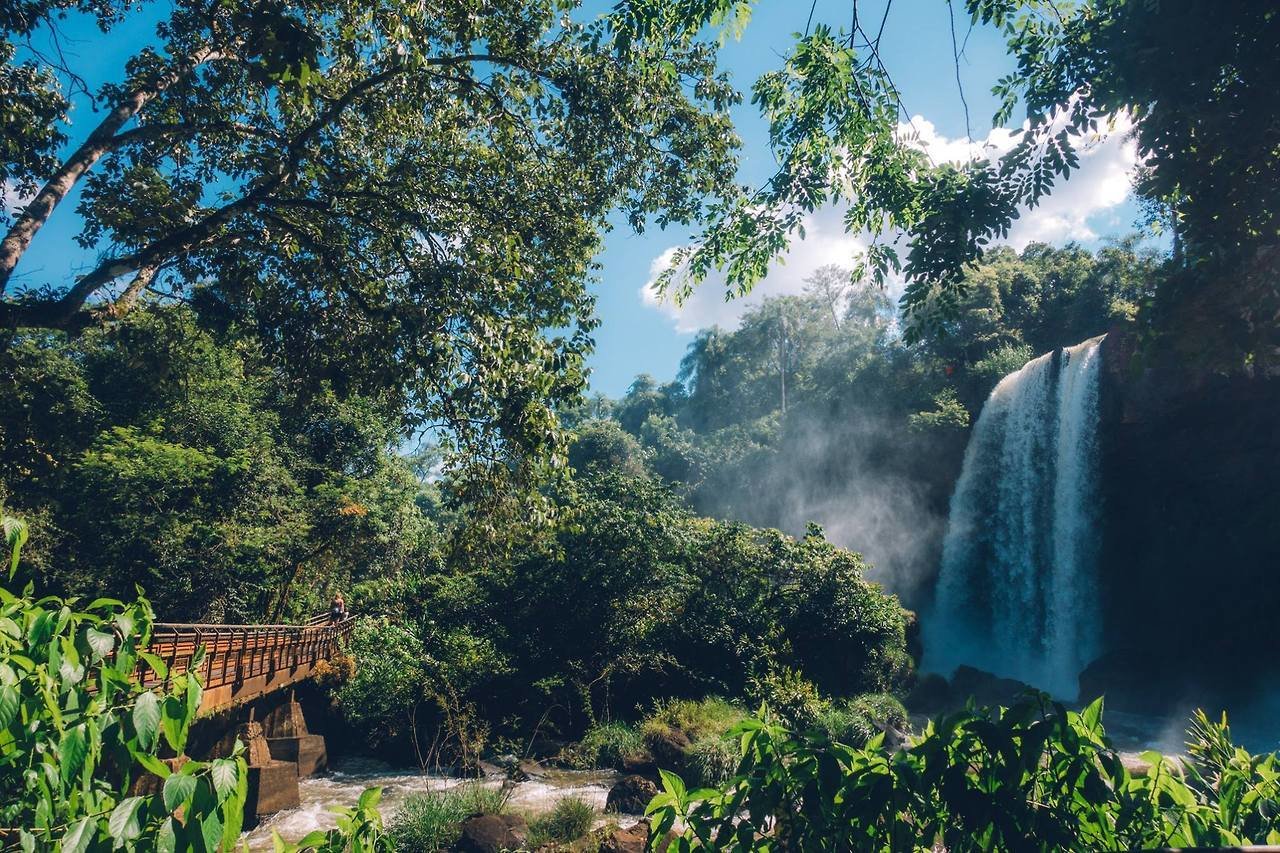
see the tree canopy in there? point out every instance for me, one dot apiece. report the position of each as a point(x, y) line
point(399, 199)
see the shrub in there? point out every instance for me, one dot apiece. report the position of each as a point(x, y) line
point(711, 761)
point(607, 745)
point(855, 723)
point(1032, 777)
point(430, 821)
point(571, 819)
point(790, 696)
point(694, 718)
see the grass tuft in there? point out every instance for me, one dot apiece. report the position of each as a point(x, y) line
point(430, 822)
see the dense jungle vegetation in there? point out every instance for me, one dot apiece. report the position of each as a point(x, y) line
point(332, 336)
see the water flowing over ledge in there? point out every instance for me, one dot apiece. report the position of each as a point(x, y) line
point(1017, 591)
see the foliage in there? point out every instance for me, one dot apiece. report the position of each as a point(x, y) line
point(607, 745)
point(358, 830)
point(836, 124)
point(307, 171)
point(78, 734)
point(856, 722)
point(570, 819)
point(711, 761)
point(429, 822)
point(695, 719)
point(158, 453)
point(1035, 776)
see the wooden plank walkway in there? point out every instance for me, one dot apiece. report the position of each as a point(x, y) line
point(244, 662)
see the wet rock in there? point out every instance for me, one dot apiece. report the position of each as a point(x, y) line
point(631, 795)
point(632, 840)
point(931, 694)
point(492, 833)
point(986, 689)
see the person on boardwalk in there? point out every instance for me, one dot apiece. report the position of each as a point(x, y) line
point(337, 609)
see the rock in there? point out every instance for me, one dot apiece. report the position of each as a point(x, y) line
point(492, 833)
point(631, 795)
point(930, 695)
point(633, 840)
point(640, 764)
point(669, 747)
point(986, 689)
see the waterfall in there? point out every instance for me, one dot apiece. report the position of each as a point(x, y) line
point(1017, 592)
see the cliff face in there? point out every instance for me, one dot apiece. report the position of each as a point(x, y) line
point(1190, 474)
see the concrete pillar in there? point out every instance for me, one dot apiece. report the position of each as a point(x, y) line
point(273, 784)
point(290, 741)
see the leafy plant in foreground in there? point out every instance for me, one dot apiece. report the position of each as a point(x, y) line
point(78, 733)
point(1031, 777)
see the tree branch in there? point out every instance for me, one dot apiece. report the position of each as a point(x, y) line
point(36, 212)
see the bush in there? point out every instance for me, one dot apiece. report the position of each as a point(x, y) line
point(694, 718)
point(430, 822)
point(791, 697)
point(855, 723)
point(607, 745)
point(1033, 777)
point(571, 819)
point(677, 726)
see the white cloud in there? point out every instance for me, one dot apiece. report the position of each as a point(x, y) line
point(1101, 184)
point(11, 199)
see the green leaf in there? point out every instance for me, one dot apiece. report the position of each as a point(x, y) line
point(78, 836)
point(72, 749)
point(124, 823)
point(9, 703)
point(174, 721)
point(101, 642)
point(224, 775)
point(177, 790)
point(153, 765)
point(369, 799)
point(146, 719)
point(158, 666)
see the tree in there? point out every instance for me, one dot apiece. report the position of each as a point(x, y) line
point(1196, 80)
point(399, 198)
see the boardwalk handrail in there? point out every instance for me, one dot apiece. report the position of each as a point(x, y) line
point(236, 655)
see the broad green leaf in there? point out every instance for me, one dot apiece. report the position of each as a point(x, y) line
point(101, 642)
point(10, 701)
point(174, 721)
point(224, 775)
point(146, 719)
point(124, 823)
point(177, 790)
point(72, 750)
point(78, 836)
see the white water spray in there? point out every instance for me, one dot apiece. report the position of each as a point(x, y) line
point(1017, 592)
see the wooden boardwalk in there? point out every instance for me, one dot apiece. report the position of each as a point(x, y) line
point(244, 662)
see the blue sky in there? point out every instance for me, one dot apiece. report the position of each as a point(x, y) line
point(637, 333)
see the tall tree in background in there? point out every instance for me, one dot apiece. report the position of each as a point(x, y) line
point(398, 198)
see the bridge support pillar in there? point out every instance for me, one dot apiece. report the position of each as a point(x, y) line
point(273, 785)
point(289, 740)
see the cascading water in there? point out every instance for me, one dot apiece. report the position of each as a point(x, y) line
point(1017, 590)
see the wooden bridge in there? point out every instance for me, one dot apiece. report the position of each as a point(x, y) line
point(244, 662)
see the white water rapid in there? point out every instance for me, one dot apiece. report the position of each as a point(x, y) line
point(1017, 593)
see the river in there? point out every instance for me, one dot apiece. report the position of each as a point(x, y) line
point(344, 782)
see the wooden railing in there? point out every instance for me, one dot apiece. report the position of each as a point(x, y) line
point(243, 662)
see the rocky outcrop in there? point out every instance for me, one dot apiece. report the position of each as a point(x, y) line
point(630, 795)
point(1190, 477)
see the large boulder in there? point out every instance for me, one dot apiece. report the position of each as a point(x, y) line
point(493, 833)
point(631, 795)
